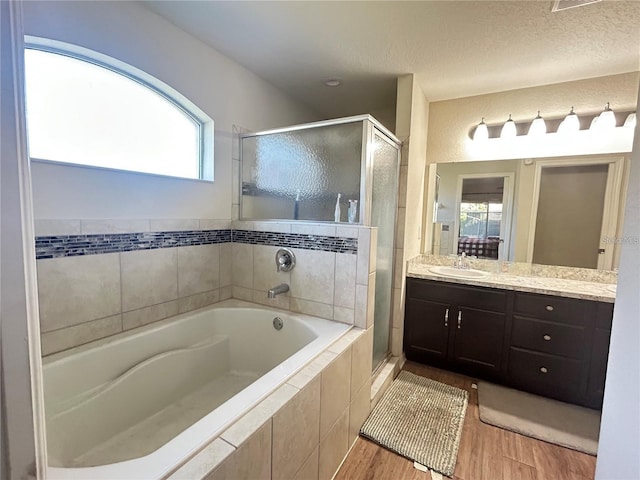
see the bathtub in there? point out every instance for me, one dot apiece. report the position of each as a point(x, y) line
point(140, 404)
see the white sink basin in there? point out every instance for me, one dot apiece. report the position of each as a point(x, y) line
point(458, 272)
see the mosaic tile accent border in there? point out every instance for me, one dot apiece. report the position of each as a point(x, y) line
point(297, 240)
point(77, 245)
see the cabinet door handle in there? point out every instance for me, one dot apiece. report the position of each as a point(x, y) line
point(549, 308)
point(547, 337)
point(446, 317)
point(459, 319)
point(543, 369)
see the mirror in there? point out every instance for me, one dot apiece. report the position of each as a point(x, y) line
point(560, 211)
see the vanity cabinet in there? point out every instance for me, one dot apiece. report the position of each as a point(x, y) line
point(547, 345)
point(455, 326)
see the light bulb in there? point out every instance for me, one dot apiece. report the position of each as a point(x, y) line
point(606, 119)
point(630, 121)
point(538, 127)
point(570, 124)
point(508, 129)
point(481, 133)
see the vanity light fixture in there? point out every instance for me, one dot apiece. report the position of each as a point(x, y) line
point(508, 129)
point(481, 133)
point(605, 120)
point(630, 121)
point(538, 127)
point(570, 124)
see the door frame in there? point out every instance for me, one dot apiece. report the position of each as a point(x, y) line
point(507, 209)
point(611, 201)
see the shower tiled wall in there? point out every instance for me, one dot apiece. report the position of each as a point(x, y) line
point(334, 276)
point(100, 278)
point(168, 267)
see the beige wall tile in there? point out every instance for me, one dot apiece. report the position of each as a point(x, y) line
point(45, 227)
point(309, 471)
point(214, 224)
point(361, 361)
point(334, 446)
point(313, 276)
point(359, 410)
point(313, 229)
point(360, 314)
point(335, 392)
point(258, 416)
point(396, 341)
point(149, 277)
point(173, 224)
point(398, 267)
point(242, 265)
point(69, 337)
point(343, 315)
point(345, 280)
point(296, 432)
point(364, 245)
point(279, 227)
point(198, 269)
point(312, 370)
point(144, 316)
point(204, 462)
point(346, 232)
point(265, 274)
point(371, 299)
point(226, 262)
point(397, 320)
point(226, 292)
point(402, 213)
point(308, 307)
point(251, 460)
point(73, 290)
point(402, 188)
point(199, 300)
point(242, 293)
point(117, 225)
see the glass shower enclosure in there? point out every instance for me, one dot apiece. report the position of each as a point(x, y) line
point(297, 173)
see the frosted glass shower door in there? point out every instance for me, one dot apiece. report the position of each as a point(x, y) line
point(384, 200)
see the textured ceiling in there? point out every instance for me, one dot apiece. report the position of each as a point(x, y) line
point(455, 48)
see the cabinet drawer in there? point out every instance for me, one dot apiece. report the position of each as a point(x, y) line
point(441, 292)
point(548, 337)
point(545, 374)
point(546, 307)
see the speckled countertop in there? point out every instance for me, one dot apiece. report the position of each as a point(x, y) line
point(601, 290)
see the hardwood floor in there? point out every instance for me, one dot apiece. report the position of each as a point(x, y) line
point(486, 452)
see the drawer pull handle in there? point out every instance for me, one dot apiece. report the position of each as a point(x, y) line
point(446, 317)
point(549, 308)
point(547, 337)
point(459, 319)
point(543, 369)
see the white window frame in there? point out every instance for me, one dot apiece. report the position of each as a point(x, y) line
point(205, 123)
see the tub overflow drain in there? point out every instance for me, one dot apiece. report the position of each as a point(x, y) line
point(277, 323)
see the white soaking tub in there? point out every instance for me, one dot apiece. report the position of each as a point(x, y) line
point(138, 405)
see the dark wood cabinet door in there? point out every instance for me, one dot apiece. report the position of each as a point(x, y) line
point(426, 330)
point(478, 340)
point(598, 367)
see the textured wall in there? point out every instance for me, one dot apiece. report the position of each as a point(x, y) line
point(451, 121)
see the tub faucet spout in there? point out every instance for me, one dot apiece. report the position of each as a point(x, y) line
point(282, 288)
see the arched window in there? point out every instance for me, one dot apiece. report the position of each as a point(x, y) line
point(87, 112)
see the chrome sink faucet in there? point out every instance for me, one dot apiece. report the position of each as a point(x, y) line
point(462, 262)
point(277, 290)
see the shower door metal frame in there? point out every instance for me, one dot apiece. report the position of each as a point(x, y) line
point(368, 125)
point(370, 130)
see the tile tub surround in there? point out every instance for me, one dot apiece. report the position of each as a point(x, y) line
point(334, 276)
point(297, 432)
point(136, 278)
point(532, 281)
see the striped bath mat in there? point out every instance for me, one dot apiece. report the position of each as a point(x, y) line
point(420, 419)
